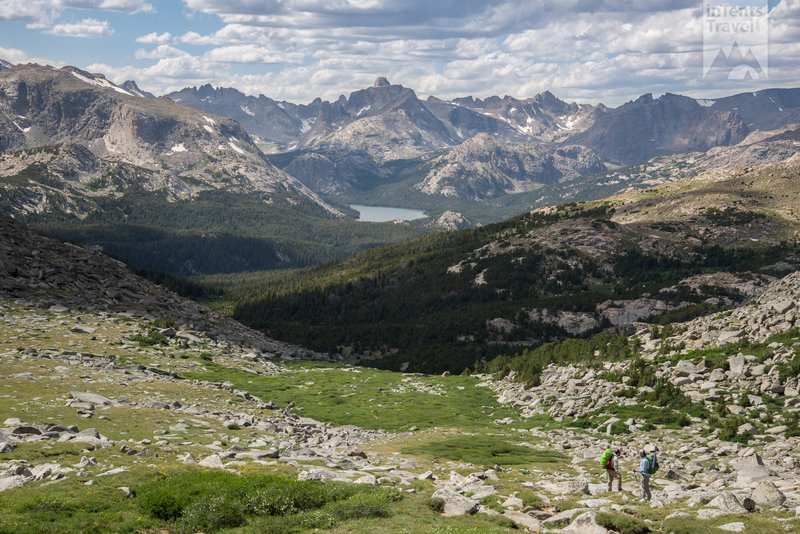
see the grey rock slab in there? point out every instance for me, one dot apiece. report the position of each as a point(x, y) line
point(586, 523)
point(728, 502)
point(455, 503)
point(738, 526)
point(568, 487)
point(736, 364)
point(11, 482)
point(768, 494)
point(563, 518)
point(595, 503)
point(711, 513)
point(369, 480)
point(321, 473)
point(750, 475)
point(90, 398)
point(212, 461)
point(678, 515)
point(531, 524)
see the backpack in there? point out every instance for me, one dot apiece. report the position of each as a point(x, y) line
point(605, 459)
point(652, 464)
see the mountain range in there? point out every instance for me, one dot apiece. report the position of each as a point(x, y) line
point(167, 186)
point(80, 154)
point(382, 143)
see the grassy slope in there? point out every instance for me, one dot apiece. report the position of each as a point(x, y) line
point(401, 304)
point(462, 435)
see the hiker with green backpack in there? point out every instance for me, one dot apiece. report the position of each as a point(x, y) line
point(610, 462)
point(647, 468)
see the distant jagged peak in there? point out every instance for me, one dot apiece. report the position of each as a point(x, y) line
point(132, 87)
point(381, 82)
point(5, 64)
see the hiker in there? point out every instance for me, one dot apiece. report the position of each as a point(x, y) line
point(645, 470)
point(612, 470)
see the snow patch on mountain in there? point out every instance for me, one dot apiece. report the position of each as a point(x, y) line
point(100, 82)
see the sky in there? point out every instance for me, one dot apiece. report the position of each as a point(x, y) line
point(590, 51)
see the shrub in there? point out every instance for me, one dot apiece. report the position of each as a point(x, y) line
point(208, 501)
point(234, 426)
point(435, 504)
point(211, 513)
point(791, 369)
point(530, 498)
point(729, 431)
point(619, 428)
point(153, 337)
point(358, 506)
point(624, 524)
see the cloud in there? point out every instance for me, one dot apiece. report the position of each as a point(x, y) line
point(586, 50)
point(44, 14)
point(159, 52)
point(86, 28)
point(122, 6)
point(252, 54)
point(155, 38)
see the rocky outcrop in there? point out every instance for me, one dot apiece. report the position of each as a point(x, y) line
point(648, 127)
point(484, 167)
point(452, 220)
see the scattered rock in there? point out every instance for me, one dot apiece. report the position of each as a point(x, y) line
point(768, 494)
point(455, 503)
point(213, 462)
point(733, 527)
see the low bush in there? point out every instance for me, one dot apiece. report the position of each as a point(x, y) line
point(435, 504)
point(624, 524)
point(153, 337)
point(212, 513)
point(619, 428)
point(208, 501)
point(530, 498)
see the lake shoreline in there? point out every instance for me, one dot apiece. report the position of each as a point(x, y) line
point(386, 214)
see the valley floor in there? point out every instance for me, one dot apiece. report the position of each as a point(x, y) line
point(101, 407)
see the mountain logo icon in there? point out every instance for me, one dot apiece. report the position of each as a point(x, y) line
point(739, 66)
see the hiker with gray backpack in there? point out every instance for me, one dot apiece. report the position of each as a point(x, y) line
point(610, 462)
point(647, 468)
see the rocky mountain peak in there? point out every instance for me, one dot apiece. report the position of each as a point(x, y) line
point(381, 82)
point(171, 145)
point(5, 64)
point(131, 87)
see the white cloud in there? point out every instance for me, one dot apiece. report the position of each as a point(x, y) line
point(591, 51)
point(33, 12)
point(252, 54)
point(160, 52)
point(155, 38)
point(86, 28)
point(123, 6)
point(17, 56)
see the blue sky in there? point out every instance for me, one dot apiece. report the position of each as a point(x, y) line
point(591, 51)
